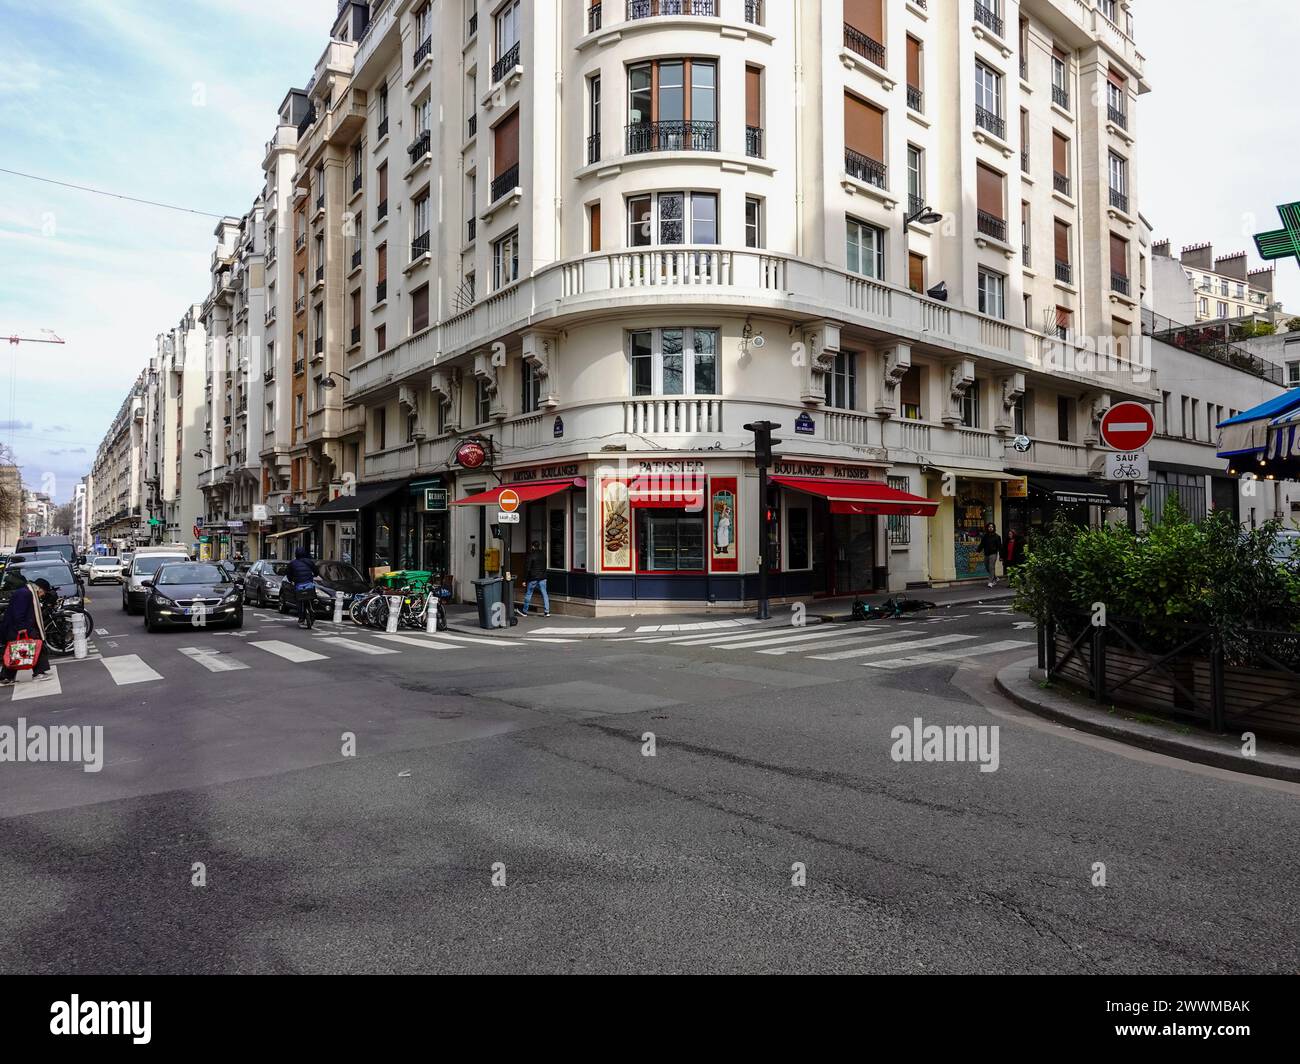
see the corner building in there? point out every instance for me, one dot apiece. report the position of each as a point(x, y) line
point(597, 239)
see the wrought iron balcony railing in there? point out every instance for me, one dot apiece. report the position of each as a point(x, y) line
point(915, 99)
point(986, 119)
point(645, 137)
point(991, 225)
point(419, 246)
point(857, 41)
point(422, 52)
point(593, 147)
point(381, 291)
point(504, 182)
point(1119, 282)
point(419, 147)
point(986, 16)
point(1119, 200)
point(1061, 182)
point(638, 9)
point(593, 18)
point(1117, 116)
point(506, 63)
point(1061, 96)
point(864, 168)
point(1064, 272)
point(754, 142)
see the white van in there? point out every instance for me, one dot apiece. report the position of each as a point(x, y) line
point(146, 562)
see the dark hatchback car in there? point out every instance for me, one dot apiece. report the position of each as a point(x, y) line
point(262, 582)
point(331, 577)
point(58, 573)
point(180, 591)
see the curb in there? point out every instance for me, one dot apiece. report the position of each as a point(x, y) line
point(517, 631)
point(1014, 683)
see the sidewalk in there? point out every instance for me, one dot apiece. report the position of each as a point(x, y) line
point(1025, 684)
point(464, 618)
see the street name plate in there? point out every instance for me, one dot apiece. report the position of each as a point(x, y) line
point(504, 518)
point(1128, 465)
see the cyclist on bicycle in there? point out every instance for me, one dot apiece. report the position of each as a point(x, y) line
point(302, 575)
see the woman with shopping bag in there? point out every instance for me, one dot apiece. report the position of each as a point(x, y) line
point(23, 619)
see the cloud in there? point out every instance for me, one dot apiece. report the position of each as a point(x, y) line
point(15, 426)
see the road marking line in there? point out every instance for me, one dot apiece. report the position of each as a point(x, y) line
point(101, 631)
point(838, 640)
point(212, 660)
point(575, 631)
point(477, 639)
point(34, 689)
point(886, 648)
point(800, 635)
point(554, 640)
point(416, 641)
point(715, 640)
point(354, 644)
point(128, 668)
point(910, 660)
point(287, 650)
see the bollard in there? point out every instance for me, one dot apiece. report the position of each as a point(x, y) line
point(431, 613)
point(338, 607)
point(79, 635)
point(394, 612)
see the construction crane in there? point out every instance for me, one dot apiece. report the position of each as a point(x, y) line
point(49, 338)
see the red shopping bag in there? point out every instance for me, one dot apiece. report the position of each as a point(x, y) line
point(21, 653)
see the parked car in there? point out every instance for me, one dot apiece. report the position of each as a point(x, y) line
point(143, 566)
point(58, 573)
point(61, 544)
point(1288, 546)
point(262, 582)
point(177, 590)
point(106, 567)
point(331, 577)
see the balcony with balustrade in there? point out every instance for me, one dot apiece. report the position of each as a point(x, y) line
point(861, 43)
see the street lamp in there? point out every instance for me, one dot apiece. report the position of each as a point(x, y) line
point(327, 382)
point(924, 215)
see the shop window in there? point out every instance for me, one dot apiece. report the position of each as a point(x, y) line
point(900, 525)
point(579, 531)
point(669, 541)
point(798, 518)
point(555, 531)
point(842, 382)
point(674, 361)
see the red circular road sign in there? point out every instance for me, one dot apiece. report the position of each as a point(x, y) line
point(1127, 427)
point(508, 501)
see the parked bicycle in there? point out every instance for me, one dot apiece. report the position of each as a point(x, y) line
point(60, 635)
point(372, 609)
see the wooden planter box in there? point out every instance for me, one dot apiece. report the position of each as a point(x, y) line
point(1245, 690)
point(1153, 690)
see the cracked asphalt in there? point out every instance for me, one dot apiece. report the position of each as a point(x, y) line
point(770, 832)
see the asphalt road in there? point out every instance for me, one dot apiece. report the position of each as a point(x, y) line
point(524, 760)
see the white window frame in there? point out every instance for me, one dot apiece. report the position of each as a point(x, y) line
point(505, 253)
point(992, 289)
point(988, 84)
point(855, 227)
point(688, 355)
point(506, 22)
point(754, 237)
point(1118, 169)
point(688, 219)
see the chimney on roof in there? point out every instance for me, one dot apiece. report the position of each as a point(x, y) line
point(1161, 248)
point(1233, 265)
point(1262, 279)
point(1198, 256)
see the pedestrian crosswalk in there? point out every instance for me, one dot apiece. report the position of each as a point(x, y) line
point(172, 657)
point(890, 645)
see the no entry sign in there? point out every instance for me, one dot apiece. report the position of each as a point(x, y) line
point(1127, 427)
point(508, 500)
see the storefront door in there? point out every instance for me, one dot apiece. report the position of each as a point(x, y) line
point(434, 554)
point(853, 554)
point(974, 510)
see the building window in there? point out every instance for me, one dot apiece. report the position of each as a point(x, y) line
point(842, 382)
point(1204, 306)
point(669, 541)
point(1018, 416)
point(674, 361)
point(593, 118)
point(505, 260)
point(988, 90)
point(380, 424)
point(900, 525)
point(381, 338)
point(672, 106)
point(507, 28)
point(1223, 310)
point(593, 226)
point(865, 249)
point(909, 394)
point(992, 293)
point(1060, 80)
point(532, 389)
point(420, 308)
point(1292, 374)
point(482, 402)
point(915, 179)
point(753, 222)
point(672, 218)
point(970, 406)
point(1064, 418)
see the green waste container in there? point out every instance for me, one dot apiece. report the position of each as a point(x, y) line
point(489, 593)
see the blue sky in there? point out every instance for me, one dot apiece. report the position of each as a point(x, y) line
point(161, 100)
point(175, 101)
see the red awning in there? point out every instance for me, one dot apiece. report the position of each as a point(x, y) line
point(861, 496)
point(528, 492)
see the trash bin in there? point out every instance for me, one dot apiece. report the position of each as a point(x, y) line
point(490, 592)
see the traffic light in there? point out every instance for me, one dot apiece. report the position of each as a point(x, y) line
point(763, 441)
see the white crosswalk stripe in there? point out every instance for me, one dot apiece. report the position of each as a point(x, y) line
point(354, 644)
point(34, 688)
point(129, 668)
point(416, 641)
point(212, 660)
point(835, 640)
point(715, 640)
point(886, 648)
point(559, 630)
point(908, 661)
point(288, 651)
point(699, 626)
point(477, 639)
point(785, 639)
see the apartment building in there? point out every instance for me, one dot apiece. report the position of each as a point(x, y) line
point(117, 513)
point(80, 516)
point(599, 239)
point(181, 363)
point(1224, 287)
point(11, 505)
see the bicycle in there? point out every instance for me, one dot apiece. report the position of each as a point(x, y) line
point(59, 634)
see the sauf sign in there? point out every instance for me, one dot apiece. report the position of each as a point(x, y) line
point(1127, 428)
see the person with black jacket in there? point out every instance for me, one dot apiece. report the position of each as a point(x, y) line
point(991, 545)
point(535, 575)
point(302, 575)
point(24, 615)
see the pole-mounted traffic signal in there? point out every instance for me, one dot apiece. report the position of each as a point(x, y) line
point(763, 441)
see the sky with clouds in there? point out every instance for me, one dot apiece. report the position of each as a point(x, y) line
point(174, 102)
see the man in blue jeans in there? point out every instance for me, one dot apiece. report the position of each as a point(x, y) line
point(535, 575)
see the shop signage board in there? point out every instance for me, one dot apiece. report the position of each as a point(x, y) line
point(1127, 427)
point(1128, 465)
point(471, 454)
point(1018, 488)
point(435, 499)
point(261, 513)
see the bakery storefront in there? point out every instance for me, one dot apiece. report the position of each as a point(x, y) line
point(684, 531)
